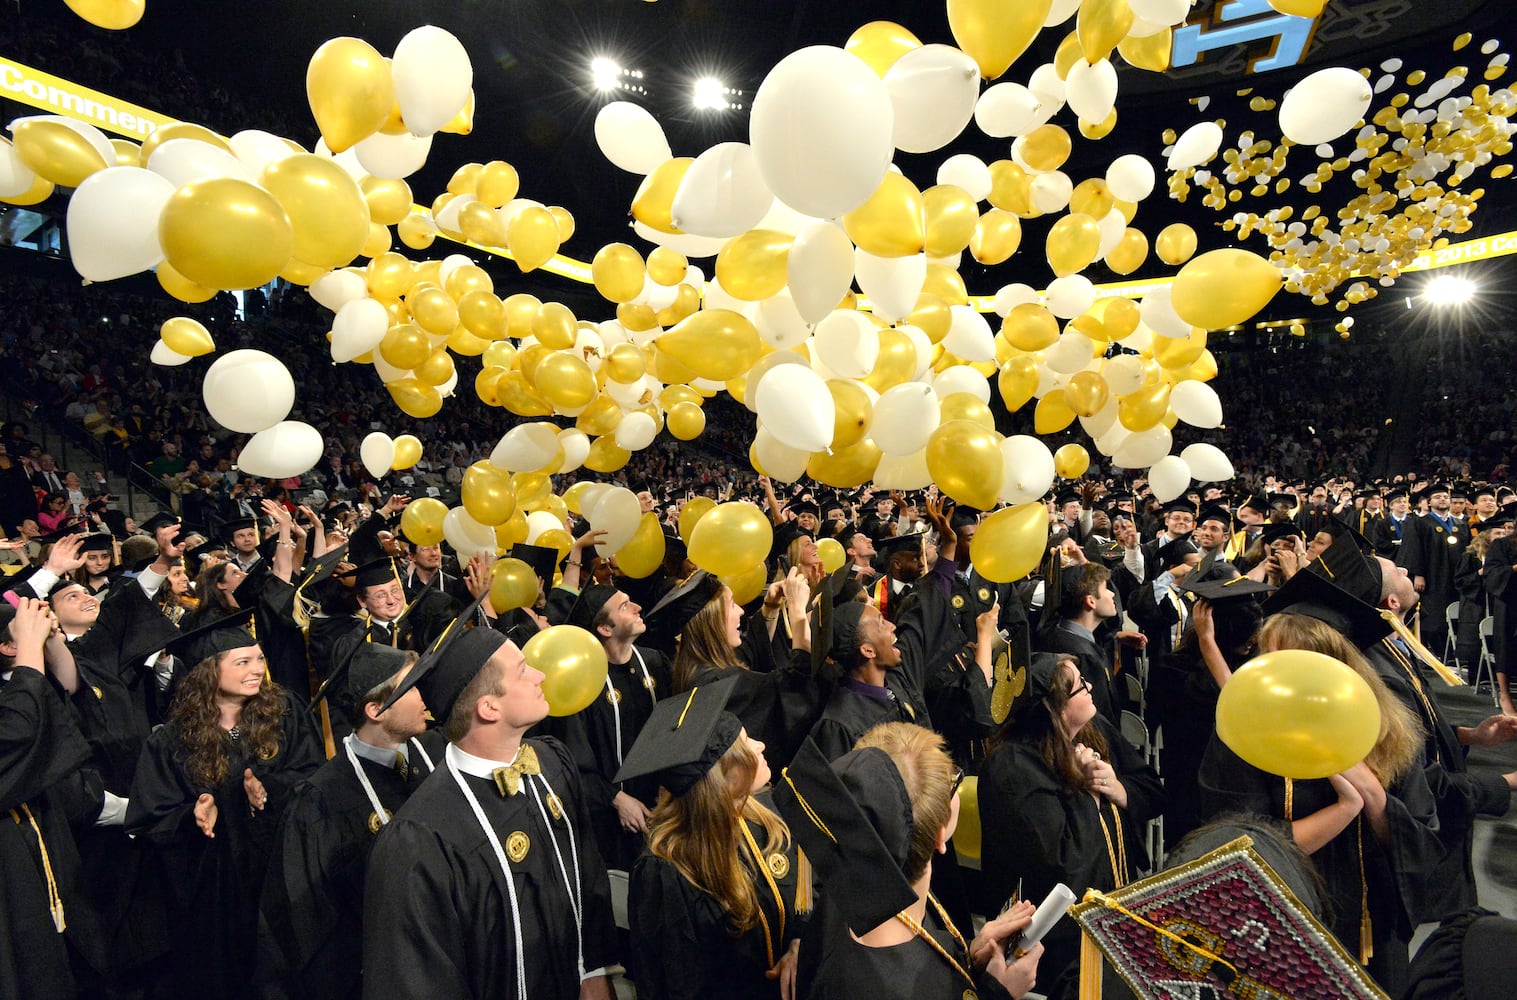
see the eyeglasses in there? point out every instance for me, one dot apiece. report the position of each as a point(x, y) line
point(1083, 685)
point(958, 779)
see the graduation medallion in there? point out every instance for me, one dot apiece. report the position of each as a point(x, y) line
point(650, 684)
point(375, 823)
point(555, 806)
point(985, 594)
point(517, 846)
point(268, 753)
point(971, 995)
point(958, 601)
point(614, 696)
point(99, 694)
point(1452, 540)
point(779, 865)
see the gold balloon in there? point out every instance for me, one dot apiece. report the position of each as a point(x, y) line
point(528, 360)
point(747, 585)
point(128, 153)
point(482, 224)
point(852, 412)
point(716, 344)
point(389, 201)
point(1224, 288)
point(1175, 244)
point(968, 835)
point(482, 315)
point(465, 178)
point(1053, 413)
point(113, 15)
point(350, 90)
point(186, 336)
point(1299, 714)
point(731, 538)
point(636, 318)
point(1101, 24)
point(1086, 393)
point(388, 276)
point(532, 238)
point(831, 552)
point(484, 384)
point(667, 267)
point(654, 200)
point(618, 272)
point(644, 553)
point(556, 538)
point(752, 266)
point(692, 512)
point(1071, 461)
point(931, 316)
point(965, 461)
point(513, 585)
point(497, 183)
point(1066, 54)
point(1138, 411)
point(1046, 147)
point(1151, 52)
point(995, 32)
point(55, 152)
point(179, 286)
point(890, 223)
point(573, 663)
point(606, 456)
point(673, 395)
point(416, 231)
point(600, 417)
point(880, 44)
point(564, 220)
point(513, 532)
point(966, 406)
point(1018, 381)
point(1129, 253)
point(407, 452)
point(997, 234)
point(1093, 198)
point(1011, 542)
point(189, 130)
point(226, 233)
point(686, 421)
point(521, 310)
point(1175, 354)
point(565, 381)
point(531, 487)
point(1115, 319)
point(378, 242)
point(298, 272)
point(845, 467)
point(405, 346)
point(463, 122)
point(422, 519)
point(464, 343)
point(1073, 243)
point(945, 283)
point(436, 369)
point(1100, 129)
point(415, 398)
point(1011, 189)
point(624, 364)
point(951, 217)
point(554, 326)
point(1030, 327)
point(686, 301)
point(434, 311)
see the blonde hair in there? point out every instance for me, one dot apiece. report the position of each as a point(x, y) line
point(1401, 733)
point(921, 757)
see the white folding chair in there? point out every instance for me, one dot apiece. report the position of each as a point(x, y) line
point(1450, 643)
point(1135, 731)
point(1135, 695)
point(1487, 666)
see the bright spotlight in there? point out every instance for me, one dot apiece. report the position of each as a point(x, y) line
point(605, 73)
point(709, 93)
point(1448, 290)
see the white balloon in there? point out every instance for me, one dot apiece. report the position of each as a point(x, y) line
point(1143, 449)
point(392, 157)
point(336, 289)
point(1008, 109)
point(166, 356)
point(723, 193)
point(377, 452)
point(779, 323)
point(16, 178)
point(526, 447)
point(113, 222)
point(358, 328)
point(1143, 29)
point(1123, 374)
point(922, 345)
point(347, 159)
point(969, 336)
point(1027, 469)
point(257, 149)
point(783, 219)
point(1130, 178)
point(432, 78)
point(467, 535)
point(904, 418)
point(961, 378)
point(1048, 86)
point(1198, 144)
point(288, 448)
point(847, 343)
point(1091, 89)
point(1169, 478)
point(892, 284)
point(1112, 225)
point(903, 472)
point(1008, 297)
point(933, 89)
point(1161, 12)
point(1197, 404)
point(617, 512)
point(795, 406)
point(1158, 314)
point(540, 521)
point(186, 160)
point(387, 372)
point(249, 391)
point(576, 445)
point(1072, 352)
point(1061, 11)
point(684, 243)
point(1325, 106)
point(819, 269)
point(1049, 192)
point(1069, 296)
point(636, 431)
point(821, 127)
point(1103, 419)
point(1140, 340)
point(967, 171)
point(779, 461)
point(630, 137)
point(1207, 463)
point(446, 217)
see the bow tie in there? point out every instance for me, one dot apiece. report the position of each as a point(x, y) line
point(508, 778)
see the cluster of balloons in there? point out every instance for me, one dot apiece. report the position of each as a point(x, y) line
point(1410, 162)
point(252, 392)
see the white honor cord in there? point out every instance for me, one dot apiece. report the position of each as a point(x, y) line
point(505, 867)
point(576, 891)
point(423, 752)
point(363, 780)
point(616, 714)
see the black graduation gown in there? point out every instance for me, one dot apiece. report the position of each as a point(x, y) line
point(1473, 607)
point(592, 739)
point(436, 910)
point(851, 713)
point(912, 970)
point(311, 917)
point(1394, 875)
point(682, 943)
point(1094, 664)
point(937, 661)
point(1157, 618)
point(1039, 833)
point(1432, 552)
point(1183, 699)
point(214, 883)
point(1501, 584)
point(44, 770)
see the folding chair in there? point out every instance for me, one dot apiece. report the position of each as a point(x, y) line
point(1450, 643)
point(1135, 694)
point(1487, 667)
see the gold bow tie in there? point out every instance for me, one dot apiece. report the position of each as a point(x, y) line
point(508, 778)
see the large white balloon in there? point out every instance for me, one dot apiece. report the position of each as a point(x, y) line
point(1207, 463)
point(287, 448)
point(526, 447)
point(466, 534)
point(933, 89)
point(113, 222)
point(1130, 177)
point(779, 461)
point(1158, 314)
point(630, 137)
point(1198, 144)
point(257, 149)
point(392, 156)
point(336, 289)
point(163, 354)
point(1091, 89)
point(1008, 297)
point(1071, 295)
point(969, 336)
point(819, 269)
point(248, 391)
point(722, 194)
point(1123, 374)
point(892, 284)
point(16, 178)
point(1027, 469)
point(1143, 449)
point(904, 418)
point(1008, 109)
point(795, 406)
point(576, 445)
point(377, 453)
point(780, 323)
point(1050, 192)
point(1072, 352)
point(186, 160)
point(636, 431)
point(821, 127)
point(1169, 478)
point(961, 378)
point(432, 78)
point(540, 521)
point(617, 513)
point(1324, 106)
point(358, 328)
point(967, 171)
point(903, 472)
point(1048, 86)
point(847, 343)
point(1196, 403)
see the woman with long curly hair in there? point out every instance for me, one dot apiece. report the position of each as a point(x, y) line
point(208, 793)
point(713, 902)
point(174, 596)
point(215, 593)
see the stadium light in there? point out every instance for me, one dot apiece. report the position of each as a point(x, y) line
point(1449, 290)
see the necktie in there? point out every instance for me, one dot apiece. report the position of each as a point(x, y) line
point(402, 766)
point(508, 778)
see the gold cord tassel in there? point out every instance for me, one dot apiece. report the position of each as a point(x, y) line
point(803, 895)
point(54, 900)
point(1399, 627)
point(1090, 968)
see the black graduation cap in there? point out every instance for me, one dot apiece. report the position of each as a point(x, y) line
point(98, 541)
point(1255, 502)
point(375, 573)
point(1173, 553)
point(800, 507)
point(888, 546)
point(219, 636)
point(1216, 512)
point(588, 604)
point(162, 519)
point(543, 560)
point(450, 663)
point(1494, 521)
point(1067, 495)
point(232, 527)
point(323, 566)
point(853, 820)
point(371, 664)
point(1274, 531)
point(17, 578)
point(1314, 595)
point(1459, 491)
point(1179, 505)
point(115, 521)
point(843, 629)
point(1351, 568)
point(1216, 591)
point(1397, 492)
point(673, 612)
point(684, 738)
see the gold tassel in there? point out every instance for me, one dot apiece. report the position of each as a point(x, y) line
point(803, 895)
point(1090, 968)
point(1399, 627)
point(54, 900)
